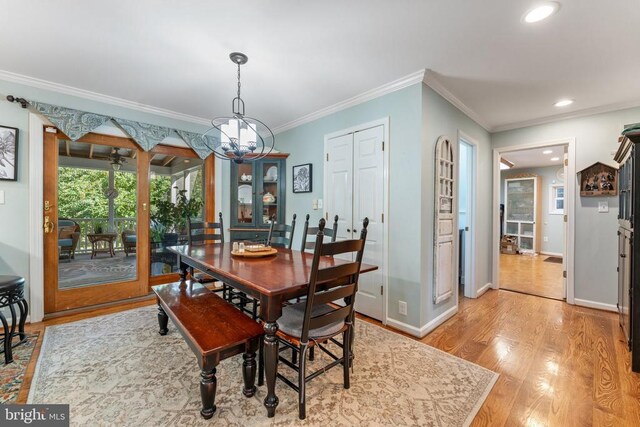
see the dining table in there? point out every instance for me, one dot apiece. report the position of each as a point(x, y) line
point(272, 280)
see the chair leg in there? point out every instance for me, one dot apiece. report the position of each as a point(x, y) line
point(163, 320)
point(8, 356)
point(294, 356)
point(302, 409)
point(249, 373)
point(260, 363)
point(208, 393)
point(24, 312)
point(346, 357)
point(312, 354)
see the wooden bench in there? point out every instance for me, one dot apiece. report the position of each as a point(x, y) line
point(214, 329)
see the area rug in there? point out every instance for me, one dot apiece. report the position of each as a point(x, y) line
point(12, 375)
point(554, 259)
point(83, 270)
point(117, 370)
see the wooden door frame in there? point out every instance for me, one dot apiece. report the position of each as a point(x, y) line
point(56, 300)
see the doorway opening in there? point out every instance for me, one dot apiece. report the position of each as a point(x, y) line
point(466, 216)
point(534, 204)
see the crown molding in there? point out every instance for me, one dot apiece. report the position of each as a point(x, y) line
point(99, 97)
point(393, 86)
point(566, 116)
point(432, 81)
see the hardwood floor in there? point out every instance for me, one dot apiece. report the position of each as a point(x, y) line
point(531, 275)
point(559, 365)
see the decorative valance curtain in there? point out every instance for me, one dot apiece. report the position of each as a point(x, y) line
point(75, 124)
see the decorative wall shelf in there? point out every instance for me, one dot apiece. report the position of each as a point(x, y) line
point(598, 180)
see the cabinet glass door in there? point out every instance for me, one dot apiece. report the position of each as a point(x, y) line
point(244, 182)
point(520, 200)
point(269, 193)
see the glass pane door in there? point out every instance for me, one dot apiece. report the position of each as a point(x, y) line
point(269, 191)
point(176, 192)
point(244, 183)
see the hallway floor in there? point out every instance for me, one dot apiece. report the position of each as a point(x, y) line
point(530, 274)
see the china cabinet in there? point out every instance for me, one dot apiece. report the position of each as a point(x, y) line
point(523, 212)
point(258, 192)
point(628, 185)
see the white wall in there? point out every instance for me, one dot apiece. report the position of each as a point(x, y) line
point(552, 224)
point(595, 236)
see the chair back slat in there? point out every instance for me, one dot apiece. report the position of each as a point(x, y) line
point(336, 315)
point(281, 235)
point(334, 294)
point(337, 272)
point(313, 231)
point(201, 232)
point(345, 246)
point(343, 277)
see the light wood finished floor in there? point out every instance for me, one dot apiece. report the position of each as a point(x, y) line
point(531, 275)
point(559, 365)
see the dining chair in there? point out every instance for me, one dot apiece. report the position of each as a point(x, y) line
point(281, 235)
point(316, 321)
point(313, 231)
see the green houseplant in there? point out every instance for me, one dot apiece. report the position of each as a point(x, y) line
point(169, 219)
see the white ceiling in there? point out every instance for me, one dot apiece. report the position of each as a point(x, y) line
point(305, 56)
point(535, 158)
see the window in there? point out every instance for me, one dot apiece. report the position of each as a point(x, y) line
point(556, 199)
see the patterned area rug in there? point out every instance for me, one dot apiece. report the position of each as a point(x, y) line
point(12, 375)
point(117, 370)
point(83, 270)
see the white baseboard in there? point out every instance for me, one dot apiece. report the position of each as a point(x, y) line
point(558, 254)
point(483, 289)
point(595, 304)
point(424, 329)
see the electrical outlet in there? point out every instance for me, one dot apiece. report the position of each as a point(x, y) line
point(545, 238)
point(402, 307)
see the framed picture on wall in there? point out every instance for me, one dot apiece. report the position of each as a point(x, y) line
point(302, 178)
point(8, 153)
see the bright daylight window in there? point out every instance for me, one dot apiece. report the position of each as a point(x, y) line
point(556, 199)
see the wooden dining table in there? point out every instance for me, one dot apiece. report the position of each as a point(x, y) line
point(272, 280)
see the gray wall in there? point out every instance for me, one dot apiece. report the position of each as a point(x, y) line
point(306, 145)
point(441, 118)
point(551, 223)
point(595, 234)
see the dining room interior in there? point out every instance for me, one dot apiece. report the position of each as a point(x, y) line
point(348, 214)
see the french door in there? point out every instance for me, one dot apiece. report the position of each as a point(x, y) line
point(100, 193)
point(354, 183)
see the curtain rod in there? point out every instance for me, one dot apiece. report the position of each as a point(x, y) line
point(21, 101)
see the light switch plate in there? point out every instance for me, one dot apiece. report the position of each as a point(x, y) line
point(1, 197)
point(603, 207)
point(319, 203)
point(314, 205)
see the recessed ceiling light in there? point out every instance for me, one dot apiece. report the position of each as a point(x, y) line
point(563, 102)
point(547, 152)
point(555, 159)
point(541, 12)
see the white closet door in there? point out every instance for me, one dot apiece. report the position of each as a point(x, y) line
point(339, 181)
point(368, 188)
point(445, 229)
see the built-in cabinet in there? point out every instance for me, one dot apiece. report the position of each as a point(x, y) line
point(258, 192)
point(628, 156)
point(523, 211)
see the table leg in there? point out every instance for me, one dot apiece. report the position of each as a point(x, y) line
point(183, 269)
point(271, 366)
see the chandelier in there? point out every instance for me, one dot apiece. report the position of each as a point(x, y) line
point(242, 138)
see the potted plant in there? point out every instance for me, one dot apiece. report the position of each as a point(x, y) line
point(169, 219)
point(98, 226)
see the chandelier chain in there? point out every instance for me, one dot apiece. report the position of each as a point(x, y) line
point(238, 80)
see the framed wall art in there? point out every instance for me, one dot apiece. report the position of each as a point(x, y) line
point(302, 178)
point(8, 153)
